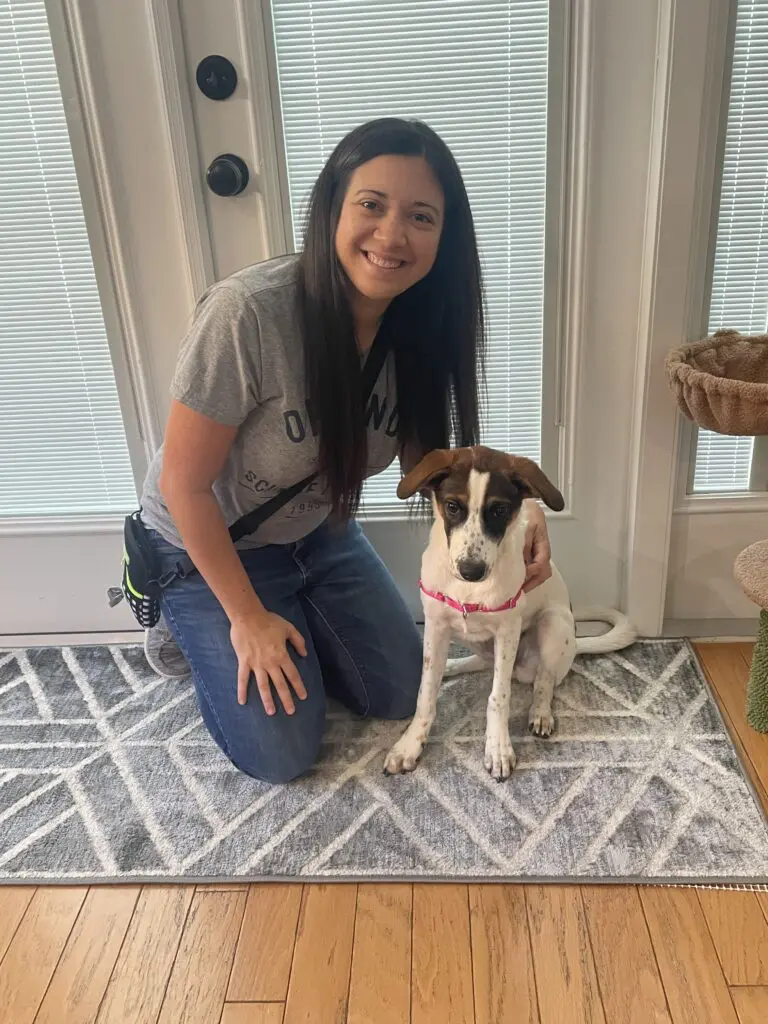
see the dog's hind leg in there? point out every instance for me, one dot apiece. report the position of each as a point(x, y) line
point(540, 719)
point(480, 659)
point(556, 648)
point(463, 666)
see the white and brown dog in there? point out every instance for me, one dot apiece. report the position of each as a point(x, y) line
point(472, 576)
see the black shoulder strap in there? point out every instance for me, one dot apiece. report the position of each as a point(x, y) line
point(251, 521)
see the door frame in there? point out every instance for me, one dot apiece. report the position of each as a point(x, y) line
point(681, 547)
point(690, 84)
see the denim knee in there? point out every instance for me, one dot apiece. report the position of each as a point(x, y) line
point(395, 698)
point(401, 705)
point(273, 767)
point(272, 748)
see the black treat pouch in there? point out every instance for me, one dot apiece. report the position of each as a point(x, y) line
point(141, 570)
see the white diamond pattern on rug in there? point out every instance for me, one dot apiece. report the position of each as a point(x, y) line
point(107, 773)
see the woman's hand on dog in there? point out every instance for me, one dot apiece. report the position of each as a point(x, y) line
point(536, 552)
point(261, 645)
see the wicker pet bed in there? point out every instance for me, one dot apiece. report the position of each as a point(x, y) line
point(721, 382)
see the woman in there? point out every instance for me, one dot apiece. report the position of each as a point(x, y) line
point(267, 390)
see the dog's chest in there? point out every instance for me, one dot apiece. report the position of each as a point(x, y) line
point(474, 627)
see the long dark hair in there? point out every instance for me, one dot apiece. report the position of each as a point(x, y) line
point(436, 327)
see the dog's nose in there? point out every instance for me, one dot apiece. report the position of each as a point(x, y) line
point(472, 571)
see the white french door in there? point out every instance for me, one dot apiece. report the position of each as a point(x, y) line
point(507, 85)
point(69, 451)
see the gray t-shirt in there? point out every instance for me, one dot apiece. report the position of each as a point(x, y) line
point(242, 364)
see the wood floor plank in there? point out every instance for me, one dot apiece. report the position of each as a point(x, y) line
point(380, 982)
point(740, 934)
point(746, 650)
point(81, 978)
point(762, 899)
point(14, 900)
point(35, 949)
point(693, 980)
point(264, 953)
point(751, 1004)
point(319, 985)
point(442, 956)
point(727, 674)
point(566, 979)
point(200, 974)
point(252, 1013)
point(138, 983)
point(222, 887)
point(627, 973)
point(505, 987)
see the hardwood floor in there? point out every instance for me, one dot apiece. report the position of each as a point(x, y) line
point(386, 954)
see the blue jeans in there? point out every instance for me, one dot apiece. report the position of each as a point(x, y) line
point(363, 647)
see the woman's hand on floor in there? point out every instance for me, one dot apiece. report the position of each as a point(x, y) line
point(261, 645)
point(537, 552)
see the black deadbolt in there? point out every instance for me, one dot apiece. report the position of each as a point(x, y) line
point(216, 77)
point(227, 175)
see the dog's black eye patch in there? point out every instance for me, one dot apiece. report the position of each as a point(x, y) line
point(502, 503)
point(496, 518)
point(499, 510)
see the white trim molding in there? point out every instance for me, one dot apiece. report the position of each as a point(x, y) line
point(266, 122)
point(573, 238)
point(691, 63)
point(62, 526)
point(710, 504)
point(170, 68)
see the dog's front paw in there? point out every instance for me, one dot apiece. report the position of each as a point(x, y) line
point(500, 758)
point(541, 723)
point(403, 757)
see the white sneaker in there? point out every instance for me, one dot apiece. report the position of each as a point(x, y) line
point(163, 653)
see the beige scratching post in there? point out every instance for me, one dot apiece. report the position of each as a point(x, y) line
point(721, 383)
point(751, 572)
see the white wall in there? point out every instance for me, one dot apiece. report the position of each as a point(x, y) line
point(702, 552)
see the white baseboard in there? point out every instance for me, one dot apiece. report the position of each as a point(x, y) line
point(714, 630)
point(9, 641)
point(696, 629)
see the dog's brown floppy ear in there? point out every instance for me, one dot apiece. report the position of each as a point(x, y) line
point(438, 461)
point(537, 481)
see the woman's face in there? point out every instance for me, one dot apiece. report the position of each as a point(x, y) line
point(389, 227)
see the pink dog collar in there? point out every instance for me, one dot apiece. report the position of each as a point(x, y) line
point(467, 609)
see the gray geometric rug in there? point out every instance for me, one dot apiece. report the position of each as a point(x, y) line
point(107, 773)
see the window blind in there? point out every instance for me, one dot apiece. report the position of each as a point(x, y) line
point(740, 277)
point(476, 71)
point(62, 443)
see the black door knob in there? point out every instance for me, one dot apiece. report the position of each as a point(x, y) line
point(227, 175)
point(216, 77)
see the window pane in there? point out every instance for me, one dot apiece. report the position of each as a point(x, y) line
point(62, 443)
point(476, 71)
point(740, 280)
